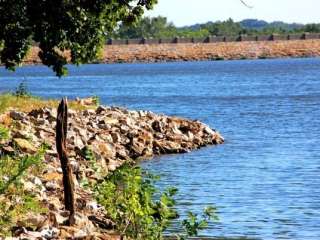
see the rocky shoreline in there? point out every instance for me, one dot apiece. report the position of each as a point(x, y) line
point(201, 51)
point(114, 136)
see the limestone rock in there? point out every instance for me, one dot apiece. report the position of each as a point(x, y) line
point(98, 142)
point(17, 115)
point(24, 145)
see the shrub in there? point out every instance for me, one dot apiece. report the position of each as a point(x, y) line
point(14, 201)
point(193, 223)
point(129, 197)
point(139, 210)
point(22, 90)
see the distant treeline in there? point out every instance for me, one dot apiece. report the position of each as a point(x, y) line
point(159, 27)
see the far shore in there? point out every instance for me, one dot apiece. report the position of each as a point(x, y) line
point(150, 53)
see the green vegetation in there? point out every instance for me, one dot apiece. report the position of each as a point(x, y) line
point(22, 90)
point(193, 223)
point(77, 26)
point(148, 28)
point(4, 133)
point(14, 169)
point(131, 200)
point(28, 103)
point(159, 27)
point(128, 194)
point(139, 210)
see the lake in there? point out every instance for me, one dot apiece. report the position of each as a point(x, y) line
point(264, 180)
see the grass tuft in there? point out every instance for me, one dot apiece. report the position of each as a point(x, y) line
point(28, 103)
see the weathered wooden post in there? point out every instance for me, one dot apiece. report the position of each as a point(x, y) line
point(61, 135)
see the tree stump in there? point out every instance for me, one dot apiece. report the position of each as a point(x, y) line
point(61, 135)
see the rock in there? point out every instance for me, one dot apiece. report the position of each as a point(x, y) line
point(25, 146)
point(7, 149)
point(93, 206)
point(51, 185)
point(70, 232)
point(134, 114)
point(218, 138)
point(208, 130)
point(17, 115)
point(197, 141)
point(113, 165)
point(71, 113)
point(37, 181)
point(88, 112)
point(142, 113)
point(40, 134)
point(104, 126)
point(30, 235)
point(90, 101)
point(111, 121)
point(157, 126)
point(190, 136)
point(5, 119)
point(36, 220)
point(84, 223)
point(74, 166)
point(115, 136)
point(82, 133)
point(21, 134)
point(50, 233)
point(124, 129)
point(101, 109)
point(172, 147)
point(28, 186)
point(136, 148)
point(175, 130)
point(166, 146)
point(37, 113)
point(106, 150)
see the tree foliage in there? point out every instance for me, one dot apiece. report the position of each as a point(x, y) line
point(147, 27)
point(79, 26)
point(159, 27)
point(224, 28)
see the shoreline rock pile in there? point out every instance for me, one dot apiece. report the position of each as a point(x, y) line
point(111, 136)
point(201, 51)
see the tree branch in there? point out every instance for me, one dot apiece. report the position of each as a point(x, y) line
point(244, 3)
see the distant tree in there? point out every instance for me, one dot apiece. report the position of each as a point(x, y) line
point(79, 26)
point(312, 28)
point(228, 27)
point(147, 27)
point(157, 27)
point(187, 32)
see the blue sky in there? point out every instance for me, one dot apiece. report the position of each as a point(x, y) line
point(187, 12)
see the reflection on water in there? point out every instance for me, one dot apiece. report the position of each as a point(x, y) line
point(265, 179)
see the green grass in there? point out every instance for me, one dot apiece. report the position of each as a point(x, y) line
point(28, 103)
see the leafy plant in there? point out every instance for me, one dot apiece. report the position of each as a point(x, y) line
point(96, 100)
point(129, 197)
point(139, 210)
point(193, 224)
point(22, 90)
point(4, 133)
point(89, 155)
point(12, 170)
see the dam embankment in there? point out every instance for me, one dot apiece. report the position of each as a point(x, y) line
point(168, 52)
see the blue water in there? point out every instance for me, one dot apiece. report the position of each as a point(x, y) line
point(264, 180)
